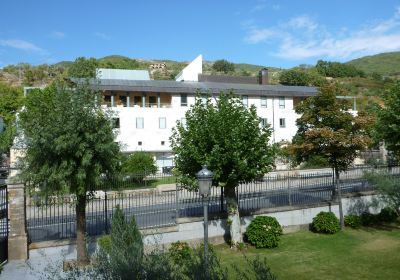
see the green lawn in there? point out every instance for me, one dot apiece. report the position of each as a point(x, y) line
point(352, 254)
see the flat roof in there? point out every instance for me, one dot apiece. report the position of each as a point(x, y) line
point(193, 87)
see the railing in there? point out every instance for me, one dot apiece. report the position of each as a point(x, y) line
point(54, 218)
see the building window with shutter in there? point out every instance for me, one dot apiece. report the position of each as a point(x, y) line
point(282, 123)
point(263, 102)
point(281, 102)
point(184, 102)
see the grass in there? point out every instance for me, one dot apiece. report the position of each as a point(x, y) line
point(351, 254)
point(152, 182)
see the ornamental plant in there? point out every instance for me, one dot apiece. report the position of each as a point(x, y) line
point(352, 221)
point(264, 232)
point(326, 222)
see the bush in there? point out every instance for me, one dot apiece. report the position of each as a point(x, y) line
point(352, 221)
point(264, 232)
point(139, 165)
point(387, 215)
point(295, 77)
point(180, 252)
point(368, 219)
point(326, 222)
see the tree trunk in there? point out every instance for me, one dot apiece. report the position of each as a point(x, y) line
point(233, 215)
point(339, 196)
point(82, 255)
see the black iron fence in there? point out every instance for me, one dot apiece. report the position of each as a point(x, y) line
point(54, 217)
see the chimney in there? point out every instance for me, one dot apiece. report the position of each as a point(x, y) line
point(263, 76)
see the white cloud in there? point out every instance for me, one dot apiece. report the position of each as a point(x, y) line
point(22, 45)
point(58, 35)
point(102, 36)
point(301, 38)
point(255, 35)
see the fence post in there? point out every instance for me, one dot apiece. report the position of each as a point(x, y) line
point(17, 238)
point(177, 189)
point(289, 189)
point(222, 200)
point(105, 212)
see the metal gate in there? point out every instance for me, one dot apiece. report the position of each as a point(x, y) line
point(3, 224)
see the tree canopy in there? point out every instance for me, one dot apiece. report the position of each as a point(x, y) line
point(83, 68)
point(295, 77)
point(224, 66)
point(227, 137)
point(388, 120)
point(69, 145)
point(11, 100)
point(337, 69)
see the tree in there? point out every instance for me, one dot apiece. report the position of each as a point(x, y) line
point(83, 68)
point(224, 66)
point(11, 100)
point(227, 137)
point(139, 164)
point(69, 146)
point(388, 120)
point(295, 77)
point(327, 129)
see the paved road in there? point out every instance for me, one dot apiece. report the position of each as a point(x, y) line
point(59, 225)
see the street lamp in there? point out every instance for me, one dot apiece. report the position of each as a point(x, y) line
point(204, 177)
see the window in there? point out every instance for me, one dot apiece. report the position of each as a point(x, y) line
point(107, 100)
point(139, 123)
point(153, 101)
point(184, 100)
point(263, 102)
point(115, 123)
point(162, 123)
point(281, 102)
point(137, 101)
point(245, 100)
point(264, 122)
point(123, 100)
point(139, 143)
point(162, 143)
point(282, 123)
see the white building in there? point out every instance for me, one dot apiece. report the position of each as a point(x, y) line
point(146, 110)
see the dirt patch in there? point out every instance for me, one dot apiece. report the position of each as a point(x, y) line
point(381, 244)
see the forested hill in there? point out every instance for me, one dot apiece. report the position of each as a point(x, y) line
point(386, 64)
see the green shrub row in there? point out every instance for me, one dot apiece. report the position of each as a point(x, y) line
point(386, 215)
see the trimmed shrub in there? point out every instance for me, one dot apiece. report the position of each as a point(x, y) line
point(326, 222)
point(264, 232)
point(368, 219)
point(180, 252)
point(387, 215)
point(352, 221)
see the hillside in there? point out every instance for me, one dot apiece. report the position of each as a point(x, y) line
point(386, 64)
point(29, 75)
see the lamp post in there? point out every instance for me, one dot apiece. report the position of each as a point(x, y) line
point(204, 177)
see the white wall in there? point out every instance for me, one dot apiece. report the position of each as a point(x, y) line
point(151, 135)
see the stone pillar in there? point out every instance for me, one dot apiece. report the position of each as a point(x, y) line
point(17, 237)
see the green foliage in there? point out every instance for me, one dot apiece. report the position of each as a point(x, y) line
point(69, 140)
point(264, 232)
point(11, 101)
point(388, 188)
point(104, 243)
point(328, 130)
point(180, 252)
point(121, 255)
point(295, 77)
point(337, 69)
point(315, 161)
point(326, 222)
point(387, 215)
point(255, 268)
point(225, 136)
point(83, 68)
point(388, 122)
point(224, 66)
point(368, 219)
point(139, 164)
point(352, 221)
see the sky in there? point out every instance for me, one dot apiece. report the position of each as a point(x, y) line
point(263, 32)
